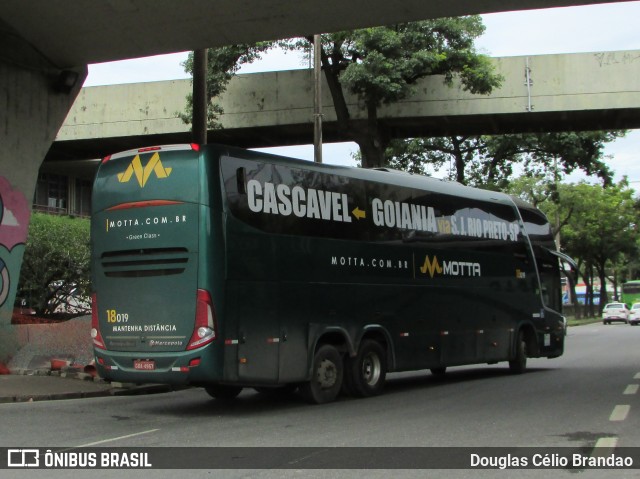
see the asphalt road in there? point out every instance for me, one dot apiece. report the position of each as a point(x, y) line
point(586, 396)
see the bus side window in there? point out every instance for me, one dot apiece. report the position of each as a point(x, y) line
point(241, 180)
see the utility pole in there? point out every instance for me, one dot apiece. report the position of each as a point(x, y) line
point(556, 185)
point(199, 119)
point(317, 103)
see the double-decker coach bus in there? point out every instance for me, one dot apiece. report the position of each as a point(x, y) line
point(225, 268)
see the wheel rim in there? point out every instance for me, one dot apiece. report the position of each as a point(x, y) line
point(327, 374)
point(371, 369)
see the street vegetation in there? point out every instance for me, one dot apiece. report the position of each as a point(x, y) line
point(55, 277)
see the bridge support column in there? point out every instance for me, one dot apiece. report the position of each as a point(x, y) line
point(33, 106)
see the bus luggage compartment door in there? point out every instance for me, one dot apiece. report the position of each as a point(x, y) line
point(258, 331)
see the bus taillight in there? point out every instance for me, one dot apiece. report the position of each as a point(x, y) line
point(98, 342)
point(204, 329)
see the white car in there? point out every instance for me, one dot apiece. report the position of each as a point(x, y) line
point(634, 314)
point(615, 312)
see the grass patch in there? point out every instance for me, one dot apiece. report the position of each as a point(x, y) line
point(571, 321)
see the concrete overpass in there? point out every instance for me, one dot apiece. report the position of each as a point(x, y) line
point(583, 91)
point(46, 46)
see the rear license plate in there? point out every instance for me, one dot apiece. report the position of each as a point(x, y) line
point(144, 364)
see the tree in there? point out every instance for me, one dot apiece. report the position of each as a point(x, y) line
point(605, 231)
point(598, 224)
point(55, 269)
point(490, 161)
point(381, 65)
point(570, 151)
point(419, 155)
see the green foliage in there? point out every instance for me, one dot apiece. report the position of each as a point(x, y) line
point(598, 225)
point(381, 65)
point(55, 272)
point(603, 224)
point(423, 155)
point(490, 161)
point(572, 150)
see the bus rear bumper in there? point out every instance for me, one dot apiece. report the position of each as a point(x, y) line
point(174, 368)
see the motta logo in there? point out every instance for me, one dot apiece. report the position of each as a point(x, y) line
point(144, 173)
point(431, 266)
point(450, 268)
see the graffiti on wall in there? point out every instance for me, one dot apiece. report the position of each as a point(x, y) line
point(14, 223)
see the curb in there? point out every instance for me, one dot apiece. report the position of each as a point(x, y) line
point(110, 389)
point(68, 372)
point(54, 397)
point(128, 390)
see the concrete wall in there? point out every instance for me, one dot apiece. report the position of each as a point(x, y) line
point(559, 83)
point(39, 343)
point(125, 110)
point(31, 115)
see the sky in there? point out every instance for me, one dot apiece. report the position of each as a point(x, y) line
point(594, 28)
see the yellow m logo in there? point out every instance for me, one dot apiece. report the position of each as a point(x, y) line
point(432, 267)
point(143, 174)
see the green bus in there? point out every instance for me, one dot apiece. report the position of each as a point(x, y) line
point(226, 268)
point(631, 292)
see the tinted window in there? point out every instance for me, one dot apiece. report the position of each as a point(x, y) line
point(286, 200)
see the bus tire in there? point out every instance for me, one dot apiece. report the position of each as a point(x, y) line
point(327, 374)
point(365, 374)
point(518, 364)
point(223, 392)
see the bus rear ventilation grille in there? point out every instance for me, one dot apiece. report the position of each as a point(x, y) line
point(144, 262)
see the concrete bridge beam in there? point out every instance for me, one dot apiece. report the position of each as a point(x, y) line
point(585, 91)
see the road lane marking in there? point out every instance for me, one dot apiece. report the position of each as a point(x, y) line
point(119, 438)
point(632, 389)
point(605, 446)
point(637, 376)
point(620, 412)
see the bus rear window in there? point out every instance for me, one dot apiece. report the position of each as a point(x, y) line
point(148, 174)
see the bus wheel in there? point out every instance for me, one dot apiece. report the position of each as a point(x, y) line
point(326, 376)
point(223, 391)
point(365, 374)
point(518, 365)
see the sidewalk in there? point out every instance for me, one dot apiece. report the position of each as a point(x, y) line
point(32, 379)
point(37, 387)
point(22, 388)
